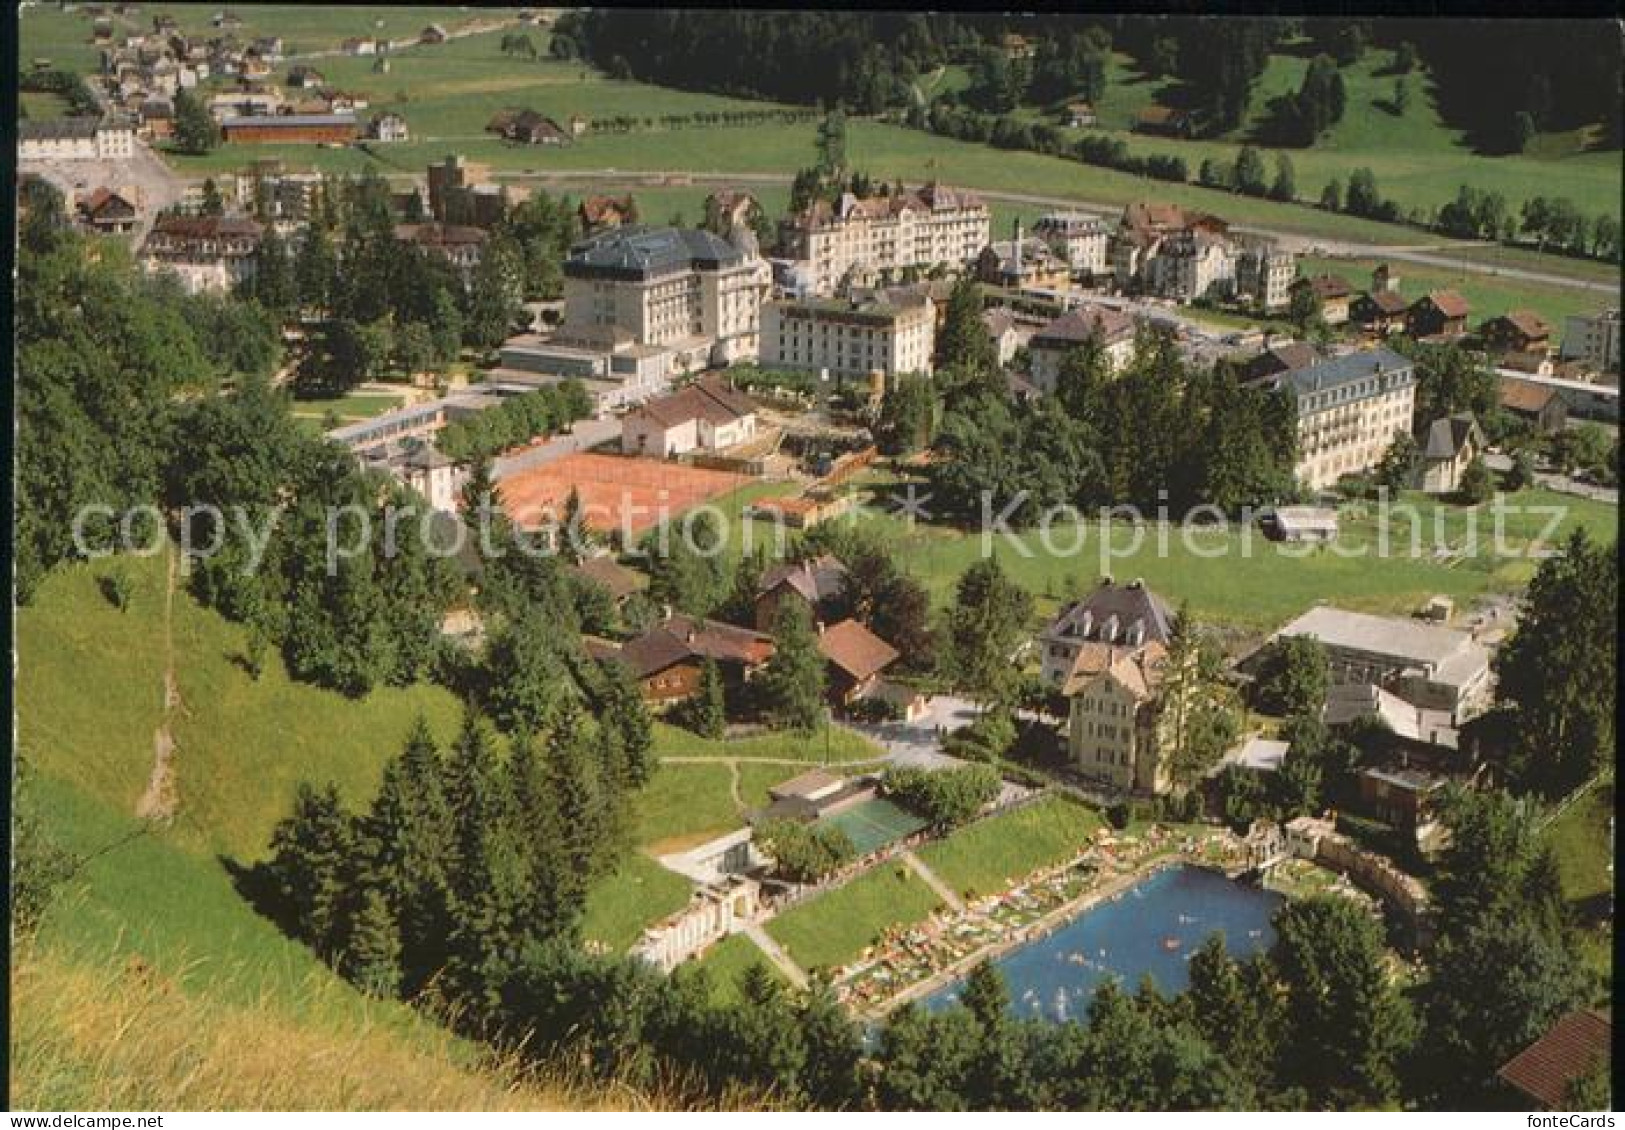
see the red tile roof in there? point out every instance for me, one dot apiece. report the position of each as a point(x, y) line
point(1568, 1051)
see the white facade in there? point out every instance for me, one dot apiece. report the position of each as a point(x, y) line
point(73, 139)
point(849, 338)
point(1082, 239)
point(860, 240)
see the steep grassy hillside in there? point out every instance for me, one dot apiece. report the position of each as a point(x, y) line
point(160, 899)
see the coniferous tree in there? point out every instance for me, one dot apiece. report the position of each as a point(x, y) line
point(791, 686)
point(707, 713)
point(372, 956)
point(312, 856)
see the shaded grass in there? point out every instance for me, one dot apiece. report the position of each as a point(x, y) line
point(361, 406)
point(990, 854)
point(834, 927)
point(839, 744)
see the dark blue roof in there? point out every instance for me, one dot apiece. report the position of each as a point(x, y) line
point(638, 252)
point(1343, 370)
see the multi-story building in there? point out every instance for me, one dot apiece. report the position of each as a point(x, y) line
point(1112, 329)
point(862, 240)
point(1023, 264)
point(1192, 264)
point(74, 139)
point(1264, 275)
point(1593, 339)
point(1116, 727)
point(458, 244)
point(1082, 239)
point(1102, 627)
point(1143, 231)
point(680, 288)
point(1349, 409)
point(848, 337)
point(207, 253)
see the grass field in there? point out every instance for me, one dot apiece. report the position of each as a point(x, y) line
point(89, 690)
point(1418, 160)
point(833, 928)
point(640, 892)
point(1488, 295)
point(727, 962)
point(838, 745)
point(1582, 839)
point(991, 854)
point(358, 406)
point(1236, 577)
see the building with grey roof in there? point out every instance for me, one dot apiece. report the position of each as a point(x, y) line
point(1349, 411)
point(687, 292)
point(1429, 666)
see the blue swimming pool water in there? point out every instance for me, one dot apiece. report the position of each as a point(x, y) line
point(1055, 976)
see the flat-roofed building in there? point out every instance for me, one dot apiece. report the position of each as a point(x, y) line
point(850, 338)
point(1349, 409)
point(1593, 339)
point(1427, 665)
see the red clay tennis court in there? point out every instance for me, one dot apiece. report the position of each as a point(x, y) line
point(617, 491)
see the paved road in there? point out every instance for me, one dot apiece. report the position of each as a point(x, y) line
point(792, 972)
point(585, 435)
point(916, 744)
point(944, 892)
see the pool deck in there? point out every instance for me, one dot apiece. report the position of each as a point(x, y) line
point(1051, 921)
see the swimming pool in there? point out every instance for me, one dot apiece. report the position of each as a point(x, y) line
point(1152, 927)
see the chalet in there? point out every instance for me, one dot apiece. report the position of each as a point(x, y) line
point(531, 128)
point(1001, 326)
point(1538, 405)
point(1164, 121)
point(1452, 444)
point(1546, 1071)
point(434, 33)
point(599, 212)
point(303, 77)
point(1333, 292)
point(666, 661)
point(1278, 359)
point(854, 658)
point(708, 415)
point(1379, 312)
point(620, 581)
point(1442, 313)
point(1081, 115)
point(388, 126)
point(818, 582)
point(108, 211)
point(362, 45)
point(1516, 331)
